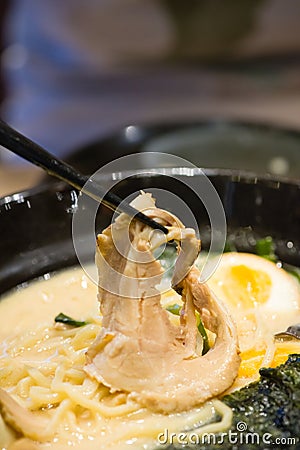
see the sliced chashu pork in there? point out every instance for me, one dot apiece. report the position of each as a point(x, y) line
point(138, 349)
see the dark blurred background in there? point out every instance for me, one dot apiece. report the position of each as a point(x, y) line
point(76, 72)
point(3, 10)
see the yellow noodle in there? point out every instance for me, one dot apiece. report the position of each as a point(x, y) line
point(23, 386)
point(59, 413)
point(75, 375)
point(270, 352)
point(38, 377)
point(40, 397)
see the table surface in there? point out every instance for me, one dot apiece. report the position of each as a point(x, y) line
point(15, 179)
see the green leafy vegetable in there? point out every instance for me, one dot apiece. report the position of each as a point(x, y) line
point(62, 318)
point(203, 333)
point(266, 248)
point(175, 309)
point(229, 247)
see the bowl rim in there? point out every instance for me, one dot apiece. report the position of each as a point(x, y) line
point(232, 174)
point(166, 126)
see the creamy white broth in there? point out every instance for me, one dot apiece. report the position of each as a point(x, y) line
point(73, 293)
point(70, 291)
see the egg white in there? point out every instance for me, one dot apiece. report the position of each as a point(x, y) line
point(282, 307)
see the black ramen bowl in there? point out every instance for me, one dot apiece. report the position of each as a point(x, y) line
point(257, 148)
point(36, 226)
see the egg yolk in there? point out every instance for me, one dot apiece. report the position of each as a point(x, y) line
point(252, 360)
point(245, 287)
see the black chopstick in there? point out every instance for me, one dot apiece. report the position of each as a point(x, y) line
point(34, 153)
